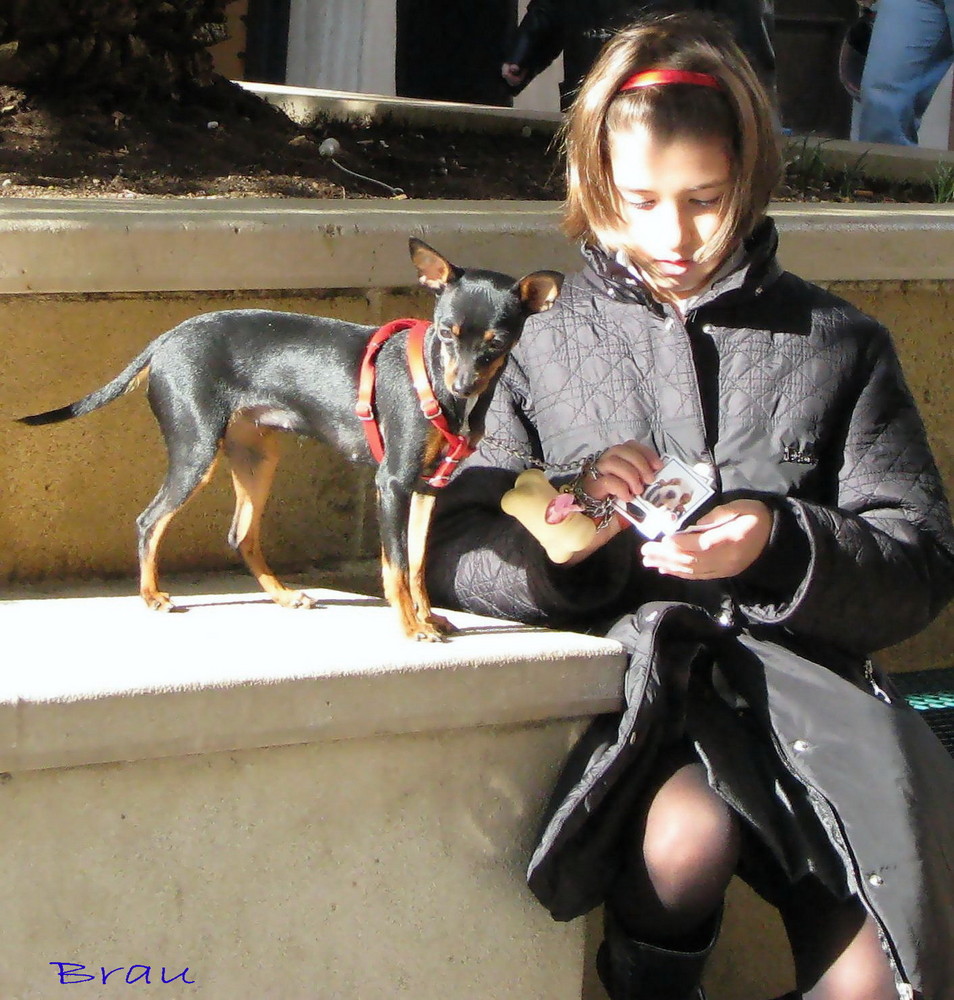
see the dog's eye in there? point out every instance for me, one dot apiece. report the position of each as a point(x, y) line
point(446, 334)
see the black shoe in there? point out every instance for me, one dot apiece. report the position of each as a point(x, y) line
point(634, 970)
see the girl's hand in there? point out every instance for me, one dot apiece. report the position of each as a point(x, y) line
point(623, 471)
point(721, 545)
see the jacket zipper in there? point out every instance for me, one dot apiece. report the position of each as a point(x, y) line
point(856, 879)
point(675, 324)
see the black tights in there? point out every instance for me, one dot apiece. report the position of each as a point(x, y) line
point(687, 846)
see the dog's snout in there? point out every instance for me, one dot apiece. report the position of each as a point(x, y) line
point(464, 386)
point(461, 382)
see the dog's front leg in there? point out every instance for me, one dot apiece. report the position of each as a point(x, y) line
point(418, 525)
point(395, 508)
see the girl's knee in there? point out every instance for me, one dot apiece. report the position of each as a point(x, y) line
point(861, 982)
point(691, 833)
point(698, 841)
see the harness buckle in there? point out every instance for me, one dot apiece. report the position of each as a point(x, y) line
point(431, 408)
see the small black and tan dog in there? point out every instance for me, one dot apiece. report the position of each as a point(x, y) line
point(412, 396)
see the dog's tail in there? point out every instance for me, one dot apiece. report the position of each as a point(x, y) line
point(127, 380)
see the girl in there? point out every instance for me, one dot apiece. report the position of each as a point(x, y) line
point(757, 739)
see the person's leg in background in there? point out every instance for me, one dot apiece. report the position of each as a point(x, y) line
point(909, 54)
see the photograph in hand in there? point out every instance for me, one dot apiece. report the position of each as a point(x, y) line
point(669, 502)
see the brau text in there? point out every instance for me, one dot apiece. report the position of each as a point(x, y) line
point(71, 973)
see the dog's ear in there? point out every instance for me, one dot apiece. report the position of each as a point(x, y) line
point(434, 271)
point(539, 290)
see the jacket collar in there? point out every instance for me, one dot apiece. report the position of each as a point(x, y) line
point(759, 269)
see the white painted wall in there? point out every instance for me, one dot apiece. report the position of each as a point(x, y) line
point(342, 45)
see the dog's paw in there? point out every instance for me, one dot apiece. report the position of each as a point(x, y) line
point(158, 601)
point(434, 628)
point(294, 599)
point(427, 633)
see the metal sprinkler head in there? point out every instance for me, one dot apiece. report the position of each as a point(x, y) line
point(330, 148)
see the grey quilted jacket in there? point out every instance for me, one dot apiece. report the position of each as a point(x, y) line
point(793, 396)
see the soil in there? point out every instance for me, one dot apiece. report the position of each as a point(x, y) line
point(222, 141)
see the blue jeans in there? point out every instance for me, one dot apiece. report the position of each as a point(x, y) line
point(909, 54)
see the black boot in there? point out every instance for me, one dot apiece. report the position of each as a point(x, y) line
point(633, 970)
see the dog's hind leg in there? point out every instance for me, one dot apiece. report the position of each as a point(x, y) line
point(253, 452)
point(189, 470)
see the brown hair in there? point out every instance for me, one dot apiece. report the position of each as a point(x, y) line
point(739, 112)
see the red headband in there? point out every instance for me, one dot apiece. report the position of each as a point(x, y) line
point(651, 77)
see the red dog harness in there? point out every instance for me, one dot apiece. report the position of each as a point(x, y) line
point(457, 446)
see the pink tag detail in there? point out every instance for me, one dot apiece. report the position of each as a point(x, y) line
point(560, 508)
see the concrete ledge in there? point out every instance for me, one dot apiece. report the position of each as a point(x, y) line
point(108, 680)
point(306, 105)
point(365, 833)
point(364, 836)
point(151, 244)
point(147, 244)
point(829, 243)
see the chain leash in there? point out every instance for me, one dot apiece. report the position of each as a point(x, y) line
point(526, 457)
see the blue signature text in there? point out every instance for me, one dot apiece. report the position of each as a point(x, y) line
point(71, 973)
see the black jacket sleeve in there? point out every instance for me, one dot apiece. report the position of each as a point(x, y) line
point(876, 566)
point(482, 560)
point(538, 40)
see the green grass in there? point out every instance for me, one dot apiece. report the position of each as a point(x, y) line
point(942, 184)
point(809, 176)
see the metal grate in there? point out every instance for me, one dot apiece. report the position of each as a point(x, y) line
point(931, 692)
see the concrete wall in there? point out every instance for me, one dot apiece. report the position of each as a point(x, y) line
point(919, 315)
point(355, 870)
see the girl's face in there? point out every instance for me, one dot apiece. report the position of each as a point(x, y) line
point(672, 198)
